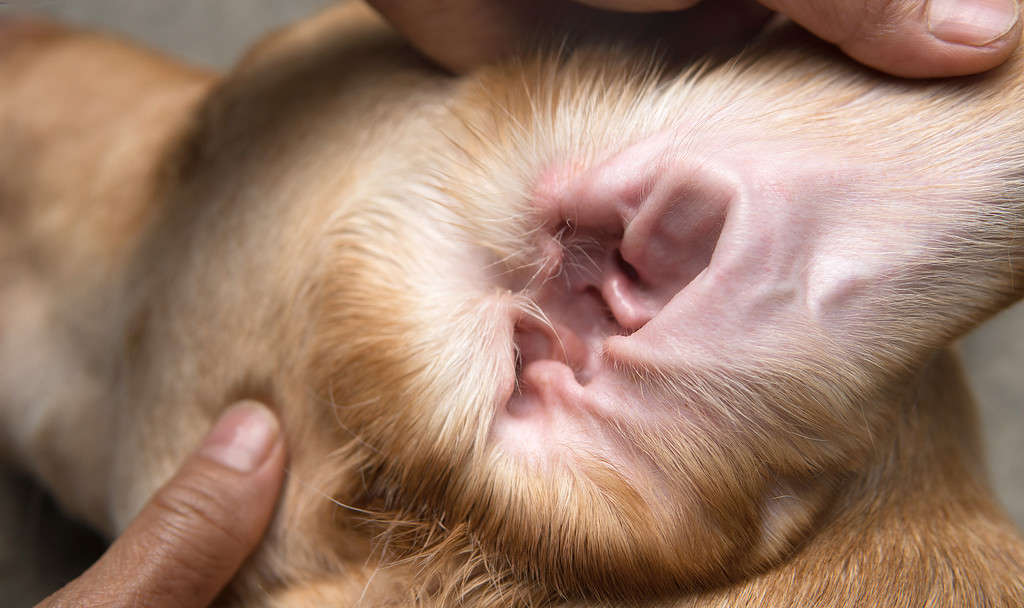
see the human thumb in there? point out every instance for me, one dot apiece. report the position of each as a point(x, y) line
point(194, 534)
point(914, 38)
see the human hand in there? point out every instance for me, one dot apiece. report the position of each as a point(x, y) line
point(912, 38)
point(194, 534)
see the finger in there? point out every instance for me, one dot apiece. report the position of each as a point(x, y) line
point(462, 34)
point(190, 539)
point(914, 38)
point(640, 5)
point(459, 34)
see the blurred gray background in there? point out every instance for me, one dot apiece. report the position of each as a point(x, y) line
point(213, 34)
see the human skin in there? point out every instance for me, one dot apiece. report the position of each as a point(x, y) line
point(908, 38)
point(190, 539)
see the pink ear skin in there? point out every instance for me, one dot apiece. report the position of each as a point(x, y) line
point(667, 221)
point(676, 259)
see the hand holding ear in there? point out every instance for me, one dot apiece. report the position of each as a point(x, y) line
point(191, 538)
point(912, 38)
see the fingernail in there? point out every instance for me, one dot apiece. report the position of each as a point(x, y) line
point(242, 438)
point(971, 22)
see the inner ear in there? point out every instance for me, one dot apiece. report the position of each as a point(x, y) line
point(635, 230)
point(628, 236)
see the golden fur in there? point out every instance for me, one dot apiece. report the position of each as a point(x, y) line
point(343, 232)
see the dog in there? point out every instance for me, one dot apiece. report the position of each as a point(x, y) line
point(579, 329)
